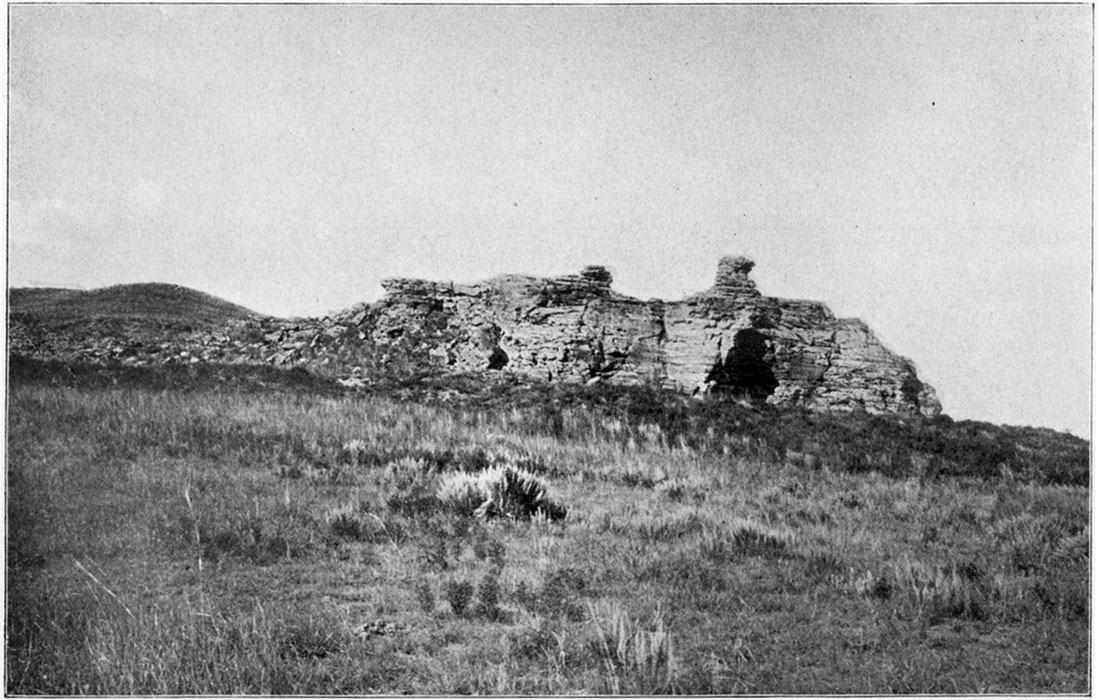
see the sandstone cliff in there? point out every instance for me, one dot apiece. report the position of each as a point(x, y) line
point(729, 339)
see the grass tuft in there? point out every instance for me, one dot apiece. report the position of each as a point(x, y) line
point(638, 659)
point(498, 492)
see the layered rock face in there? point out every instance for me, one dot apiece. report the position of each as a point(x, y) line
point(729, 339)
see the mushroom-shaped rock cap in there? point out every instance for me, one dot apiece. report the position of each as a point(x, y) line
point(733, 275)
point(597, 273)
point(734, 265)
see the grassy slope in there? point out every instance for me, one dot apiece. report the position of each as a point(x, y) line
point(218, 541)
point(854, 442)
point(152, 301)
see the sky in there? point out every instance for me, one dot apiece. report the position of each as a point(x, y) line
point(926, 168)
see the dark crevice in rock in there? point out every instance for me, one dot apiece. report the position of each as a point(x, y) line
point(498, 359)
point(745, 371)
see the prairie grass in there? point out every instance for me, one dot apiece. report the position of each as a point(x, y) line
point(230, 541)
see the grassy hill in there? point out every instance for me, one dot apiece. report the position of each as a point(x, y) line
point(266, 538)
point(232, 528)
point(154, 301)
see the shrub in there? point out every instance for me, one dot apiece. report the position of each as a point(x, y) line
point(498, 492)
point(413, 487)
point(433, 553)
point(560, 592)
point(488, 596)
point(492, 550)
point(535, 641)
point(746, 540)
point(425, 596)
point(357, 452)
point(459, 594)
point(352, 523)
point(670, 527)
point(1033, 541)
point(260, 540)
point(344, 523)
point(825, 566)
point(409, 473)
point(308, 639)
point(947, 591)
point(1067, 596)
point(461, 492)
point(681, 491)
point(1073, 549)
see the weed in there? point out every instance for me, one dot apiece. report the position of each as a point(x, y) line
point(425, 597)
point(492, 550)
point(413, 489)
point(488, 596)
point(825, 567)
point(352, 523)
point(1034, 541)
point(1069, 598)
point(409, 474)
point(670, 527)
point(459, 594)
point(745, 540)
point(308, 639)
point(1072, 549)
point(559, 596)
point(496, 552)
point(637, 659)
point(461, 492)
point(940, 592)
point(262, 539)
point(536, 641)
point(433, 552)
point(356, 452)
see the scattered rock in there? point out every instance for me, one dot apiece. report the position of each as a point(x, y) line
point(381, 628)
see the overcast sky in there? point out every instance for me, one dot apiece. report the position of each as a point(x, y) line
point(926, 168)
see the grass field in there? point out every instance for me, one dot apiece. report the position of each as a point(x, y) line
point(274, 541)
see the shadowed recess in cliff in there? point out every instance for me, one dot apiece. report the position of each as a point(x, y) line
point(745, 371)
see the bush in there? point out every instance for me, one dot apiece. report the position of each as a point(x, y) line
point(947, 591)
point(459, 594)
point(461, 492)
point(499, 492)
point(261, 540)
point(414, 487)
point(353, 523)
point(425, 596)
point(747, 540)
point(560, 593)
point(488, 596)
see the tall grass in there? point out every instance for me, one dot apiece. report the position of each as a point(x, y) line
point(641, 653)
point(217, 541)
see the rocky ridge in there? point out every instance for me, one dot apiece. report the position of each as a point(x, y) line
point(728, 340)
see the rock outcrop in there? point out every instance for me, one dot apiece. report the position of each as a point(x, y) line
point(728, 340)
